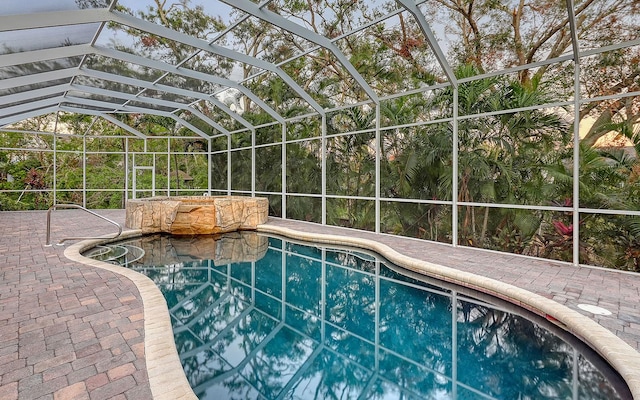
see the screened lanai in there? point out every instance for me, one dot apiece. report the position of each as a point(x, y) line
point(461, 122)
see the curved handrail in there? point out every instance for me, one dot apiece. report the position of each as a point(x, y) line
point(60, 243)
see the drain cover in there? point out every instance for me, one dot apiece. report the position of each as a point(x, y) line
point(594, 309)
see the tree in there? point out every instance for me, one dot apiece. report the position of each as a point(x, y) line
point(351, 164)
point(497, 34)
point(503, 158)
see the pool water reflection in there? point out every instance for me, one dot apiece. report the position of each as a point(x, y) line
point(312, 322)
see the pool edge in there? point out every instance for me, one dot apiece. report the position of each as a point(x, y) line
point(620, 355)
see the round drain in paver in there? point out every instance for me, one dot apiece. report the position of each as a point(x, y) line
point(594, 309)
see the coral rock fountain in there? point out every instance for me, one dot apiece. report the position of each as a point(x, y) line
point(196, 215)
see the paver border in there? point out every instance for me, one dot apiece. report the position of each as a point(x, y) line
point(168, 381)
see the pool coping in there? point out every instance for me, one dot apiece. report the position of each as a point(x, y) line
point(168, 381)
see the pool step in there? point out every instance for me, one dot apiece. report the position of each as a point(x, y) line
point(118, 254)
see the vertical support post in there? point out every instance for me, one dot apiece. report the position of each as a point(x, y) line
point(229, 165)
point(133, 176)
point(576, 132)
point(126, 171)
point(55, 165)
point(253, 163)
point(168, 167)
point(209, 166)
point(55, 160)
point(454, 175)
point(84, 171)
point(378, 162)
point(283, 189)
point(153, 177)
point(576, 167)
point(323, 167)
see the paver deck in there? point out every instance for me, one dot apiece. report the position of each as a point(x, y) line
point(70, 331)
point(66, 331)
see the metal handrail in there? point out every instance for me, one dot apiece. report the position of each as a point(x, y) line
point(61, 242)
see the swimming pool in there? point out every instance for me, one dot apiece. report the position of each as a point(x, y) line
point(281, 319)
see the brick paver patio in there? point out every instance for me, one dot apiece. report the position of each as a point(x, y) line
point(69, 331)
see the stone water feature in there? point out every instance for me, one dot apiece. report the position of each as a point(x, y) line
point(196, 215)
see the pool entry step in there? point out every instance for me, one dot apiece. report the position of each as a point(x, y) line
point(118, 254)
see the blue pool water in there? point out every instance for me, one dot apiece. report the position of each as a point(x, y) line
point(260, 317)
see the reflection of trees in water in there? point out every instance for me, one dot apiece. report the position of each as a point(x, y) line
point(417, 325)
point(304, 284)
point(334, 377)
point(516, 358)
point(593, 384)
point(257, 329)
point(351, 301)
point(409, 378)
point(271, 368)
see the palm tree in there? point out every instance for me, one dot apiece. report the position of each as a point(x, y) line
point(351, 164)
point(502, 158)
